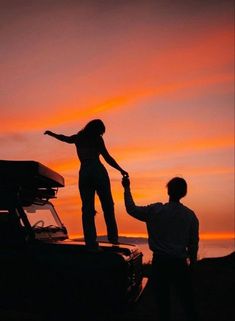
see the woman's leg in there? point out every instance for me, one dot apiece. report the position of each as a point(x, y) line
point(87, 192)
point(103, 189)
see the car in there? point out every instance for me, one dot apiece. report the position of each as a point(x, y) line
point(42, 268)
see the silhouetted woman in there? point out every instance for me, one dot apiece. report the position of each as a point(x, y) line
point(93, 177)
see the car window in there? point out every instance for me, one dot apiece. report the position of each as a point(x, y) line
point(42, 215)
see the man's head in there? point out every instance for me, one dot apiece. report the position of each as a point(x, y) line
point(177, 188)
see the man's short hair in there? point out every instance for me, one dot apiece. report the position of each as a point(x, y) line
point(177, 187)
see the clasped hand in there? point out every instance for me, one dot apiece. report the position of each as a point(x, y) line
point(125, 181)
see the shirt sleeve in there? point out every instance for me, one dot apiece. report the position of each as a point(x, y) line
point(139, 212)
point(194, 239)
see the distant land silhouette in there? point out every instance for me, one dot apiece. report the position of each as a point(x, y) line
point(127, 239)
point(207, 248)
point(122, 239)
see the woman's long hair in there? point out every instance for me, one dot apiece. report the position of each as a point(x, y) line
point(94, 128)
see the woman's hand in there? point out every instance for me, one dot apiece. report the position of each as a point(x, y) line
point(124, 173)
point(48, 132)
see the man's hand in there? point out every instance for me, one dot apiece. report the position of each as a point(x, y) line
point(125, 181)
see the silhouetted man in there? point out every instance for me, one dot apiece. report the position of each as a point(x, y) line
point(173, 238)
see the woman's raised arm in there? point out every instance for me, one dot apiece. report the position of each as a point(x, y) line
point(62, 138)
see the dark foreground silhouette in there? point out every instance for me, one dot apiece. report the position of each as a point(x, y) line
point(213, 285)
point(44, 272)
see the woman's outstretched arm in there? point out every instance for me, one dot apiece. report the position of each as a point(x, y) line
point(110, 160)
point(62, 138)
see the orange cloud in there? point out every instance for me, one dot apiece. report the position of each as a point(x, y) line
point(147, 150)
point(172, 73)
point(77, 114)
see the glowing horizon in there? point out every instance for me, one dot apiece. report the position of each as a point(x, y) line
point(202, 236)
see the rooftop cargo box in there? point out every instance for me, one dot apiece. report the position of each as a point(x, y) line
point(28, 173)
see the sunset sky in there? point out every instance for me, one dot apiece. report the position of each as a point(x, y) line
point(160, 74)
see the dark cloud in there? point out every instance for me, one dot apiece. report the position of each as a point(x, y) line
point(16, 8)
